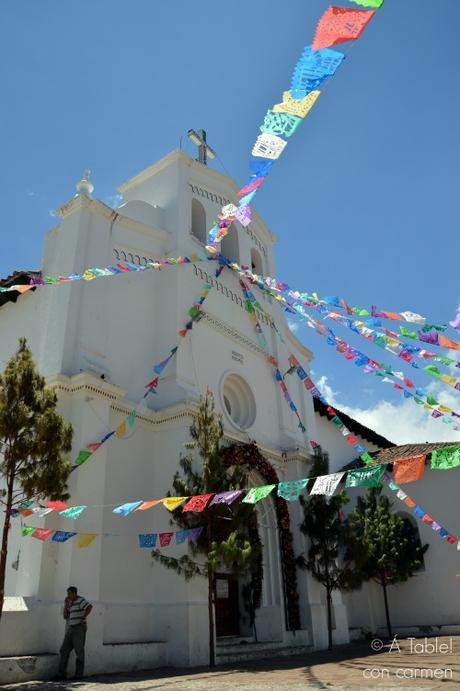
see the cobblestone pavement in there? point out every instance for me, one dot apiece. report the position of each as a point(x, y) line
point(412, 665)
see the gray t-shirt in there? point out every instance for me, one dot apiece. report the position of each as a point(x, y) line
point(77, 611)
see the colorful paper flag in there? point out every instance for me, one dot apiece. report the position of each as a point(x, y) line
point(132, 418)
point(226, 497)
point(55, 505)
point(125, 509)
point(339, 24)
point(73, 512)
point(165, 539)
point(194, 533)
point(42, 533)
point(446, 458)
point(326, 484)
point(62, 536)
point(83, 456)
point(85, 539)
point(171, 503)
point(27, 529)
point(256, 494)
point(408, 469)
point(148, 540)
point(291, 490)
point(198, 502)
point(365, 477)
point(148, 505)
point(121, 430)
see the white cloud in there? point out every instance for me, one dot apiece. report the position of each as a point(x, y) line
point(402, 422)
point(294, 326)
point(52, 212)
point(113, 200)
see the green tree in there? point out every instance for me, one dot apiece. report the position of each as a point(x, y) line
point(383, 546)
point(226, 539)
point(33, 438)
point(323, 524)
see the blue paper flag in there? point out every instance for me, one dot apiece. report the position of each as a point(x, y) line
point(125, 509)
point(62, 536)
point(313, 68)
point(181, 536)
point(148, 540)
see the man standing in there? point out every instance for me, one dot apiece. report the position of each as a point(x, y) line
point(76, 611)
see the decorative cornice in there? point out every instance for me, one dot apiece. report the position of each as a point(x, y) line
point(94, 206)
point(230, 331)
point(86, 383)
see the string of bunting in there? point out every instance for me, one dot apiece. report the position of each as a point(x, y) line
point(369, 364)
point(420, 513)
point(406, 469)
point(316, 65)
point(389, 340)
point(85, 539)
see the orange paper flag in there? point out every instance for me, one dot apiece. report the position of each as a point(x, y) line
point(148, 504)
point(408, 469)
point(447, 343)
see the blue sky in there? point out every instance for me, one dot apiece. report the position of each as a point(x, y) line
point(364, 200)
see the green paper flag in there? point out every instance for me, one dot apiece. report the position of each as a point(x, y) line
point(366, 457)
point(446, 458)
point(132, 418)
point(365, 477)
point(83, 456)
point(408, 334)
point(27, 529)
point(431, 399)
point(368, 3)
point(73, 512)
point(432, 370)
point(257, 493)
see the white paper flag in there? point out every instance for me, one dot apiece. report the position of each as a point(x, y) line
point(326, 484)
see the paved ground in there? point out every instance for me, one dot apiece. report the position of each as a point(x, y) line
point(412, 665)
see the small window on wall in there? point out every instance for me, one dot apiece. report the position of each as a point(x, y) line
point(229, 246)
point(198, 221)
point(256, 262)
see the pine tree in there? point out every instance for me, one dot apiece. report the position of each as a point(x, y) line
point(383, 545)
point(228, 538)
point(323, 524)
point(33, 438)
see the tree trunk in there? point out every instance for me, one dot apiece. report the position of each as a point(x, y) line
point(329, 617)
point(212, 654)
point(387, 611)
point(4, 551)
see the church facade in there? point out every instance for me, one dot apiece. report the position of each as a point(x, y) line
point(96, 343)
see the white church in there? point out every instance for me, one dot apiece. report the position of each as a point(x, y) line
point(96, 342)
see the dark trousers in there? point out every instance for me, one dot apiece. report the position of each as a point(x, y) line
point(74, 639)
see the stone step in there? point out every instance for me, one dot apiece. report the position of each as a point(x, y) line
point(17, 668)
point(229, 652)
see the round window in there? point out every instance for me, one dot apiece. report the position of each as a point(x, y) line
point(239, 402)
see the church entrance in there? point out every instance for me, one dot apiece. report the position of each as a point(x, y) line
point(227, 607)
